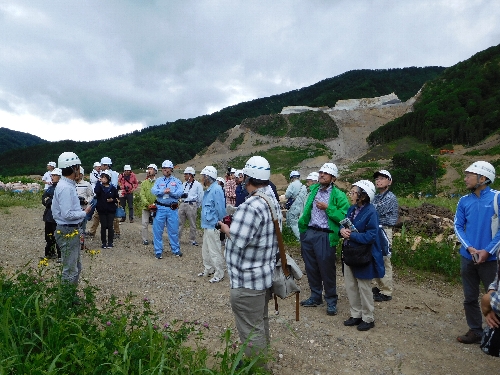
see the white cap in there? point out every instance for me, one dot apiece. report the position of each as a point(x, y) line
point(382, 172)
point(221, 179)
point(209, 171)
point(68, 159)
point(294, 174)
point(97, 164)
point(106, 160)
point(238, 172)
point(190, 170)
point(127, 167)
point(313, 176)
point(56, 171)
point(167, 164)
point(482, 168)
point(153, 166)
point(82, 171)
point(367, 186)
point(330, 168)
point(258, 167)
point(107, 172)
point(52, 164)
point(233, 170)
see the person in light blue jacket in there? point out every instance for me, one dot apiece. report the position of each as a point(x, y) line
point(168, 190)
point(296, 197)
point(479, 246)
point(213, 209)
point(363, 215)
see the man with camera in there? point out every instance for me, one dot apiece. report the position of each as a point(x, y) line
point(128, 184)
point(213, 210)
point(251, 249)
point(473, 227)
point(319, 234)
point(192, 195)
point(147, 200)
point(168, 190)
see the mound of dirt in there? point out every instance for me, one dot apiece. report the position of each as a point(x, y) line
point(427, 219)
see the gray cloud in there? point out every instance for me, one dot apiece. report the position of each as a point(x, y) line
point(154, 61)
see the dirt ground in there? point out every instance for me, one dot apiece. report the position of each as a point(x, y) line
point(415, 333)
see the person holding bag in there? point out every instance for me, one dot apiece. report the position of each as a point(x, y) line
point(361, 233)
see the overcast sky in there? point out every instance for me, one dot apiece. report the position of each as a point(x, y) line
point(94, 69)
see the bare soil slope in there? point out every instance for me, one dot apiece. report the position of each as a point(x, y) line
point(415, 333)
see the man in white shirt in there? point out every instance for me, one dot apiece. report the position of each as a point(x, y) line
point(47, 178)
point(192, 195)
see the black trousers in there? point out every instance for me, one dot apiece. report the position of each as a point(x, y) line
point(107, 225)
point(51, 245)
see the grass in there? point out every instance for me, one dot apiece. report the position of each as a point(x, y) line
point(237, 141)
point(284, 159)
point(25, 199)
point(449, 203)
point(387, 151)
point(42, 331)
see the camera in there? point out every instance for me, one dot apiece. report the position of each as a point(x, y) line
point(127, 188)
point(82, 201)
point(226, 220)
point(184, 195)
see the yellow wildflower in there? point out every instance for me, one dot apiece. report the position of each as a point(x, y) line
point(43, 263)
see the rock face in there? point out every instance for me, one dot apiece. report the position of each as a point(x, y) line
point(355, 118)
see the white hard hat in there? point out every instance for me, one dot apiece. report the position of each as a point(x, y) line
point(330, 168)
point(68, 159)
point(107, 173)
point(382, 172)
point(153, 166)
point(313, 176)
point(258, 167)
point(106, 160)
point(221, 179)
point(238, 172)
point(482, 168)
point(52, 164)
point(190, 170)
point(167, 164)
point(367, 186)
point(127, 167)
point(209, 171)
point(82, 171)
point(294, 174)
point(56, 171)
point(233, 170)
point(97, 164)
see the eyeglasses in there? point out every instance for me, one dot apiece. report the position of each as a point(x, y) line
point(352, 193)
point(381, 178)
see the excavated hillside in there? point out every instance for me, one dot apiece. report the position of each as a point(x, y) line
point(355, 120)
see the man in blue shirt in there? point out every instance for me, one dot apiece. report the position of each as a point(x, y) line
point(479, 246)
point(168, 190)
point(213, 209)
point(68, 215)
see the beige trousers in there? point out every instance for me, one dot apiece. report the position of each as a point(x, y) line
point(211, 252)
point(359, 293)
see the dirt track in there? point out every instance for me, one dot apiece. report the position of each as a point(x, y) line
point(414, 333)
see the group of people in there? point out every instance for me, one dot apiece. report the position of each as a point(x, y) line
point(326, 216)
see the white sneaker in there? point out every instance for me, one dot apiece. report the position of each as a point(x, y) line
point(206, 273)
point(215, 279)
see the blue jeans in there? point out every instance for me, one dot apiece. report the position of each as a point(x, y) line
point(165, 216)
point(472, 276)
point(319, 258)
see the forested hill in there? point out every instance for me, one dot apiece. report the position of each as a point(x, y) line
point(11, 140)
point(462, 106)
point(181, 140)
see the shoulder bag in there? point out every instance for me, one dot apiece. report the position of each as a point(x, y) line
point(286, 271)
point(120, 212)
point(356, 255)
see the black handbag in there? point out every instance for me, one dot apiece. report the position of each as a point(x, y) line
point(490, 341)
point(356, 255)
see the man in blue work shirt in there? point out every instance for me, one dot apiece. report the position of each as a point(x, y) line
point(479, 246)
point(168, 190)
point(68, 215)
point(213, 209)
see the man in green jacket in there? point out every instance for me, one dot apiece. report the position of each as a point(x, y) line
point(147, 199)
point(319, 234)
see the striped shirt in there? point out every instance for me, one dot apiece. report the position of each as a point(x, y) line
point(252, 247)
point(387, 208)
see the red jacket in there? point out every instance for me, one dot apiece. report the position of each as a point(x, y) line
point(128, 183)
